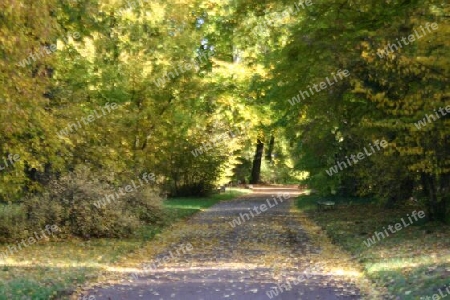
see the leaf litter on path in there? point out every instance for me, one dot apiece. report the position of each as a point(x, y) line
point(242, 262)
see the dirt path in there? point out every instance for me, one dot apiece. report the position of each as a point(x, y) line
point(267, 254)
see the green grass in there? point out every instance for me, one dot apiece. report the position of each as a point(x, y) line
point(308, 203)
point(186, 206)
point(410, 263)
point(54, 269)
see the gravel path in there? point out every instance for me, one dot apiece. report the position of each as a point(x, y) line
point(267, 256)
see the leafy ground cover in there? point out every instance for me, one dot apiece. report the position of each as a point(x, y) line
point(249, 261)
point(411, 263)
point(54, 269)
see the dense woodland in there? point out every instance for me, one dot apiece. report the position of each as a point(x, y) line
point(201, 93)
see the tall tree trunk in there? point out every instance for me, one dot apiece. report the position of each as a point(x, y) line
point(256, 170)
point(270, 149)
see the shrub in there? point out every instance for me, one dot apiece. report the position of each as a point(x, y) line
point(69, 203)
point(14, 222)
point(195, 189)
point(146, 205)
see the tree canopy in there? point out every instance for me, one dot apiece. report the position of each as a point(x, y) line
point(207, 92)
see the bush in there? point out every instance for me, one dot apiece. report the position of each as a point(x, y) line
point(146, 205)
point(69, 203)
point(14, 222)
point(195, 189)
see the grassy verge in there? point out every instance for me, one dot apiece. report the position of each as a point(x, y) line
point(54, 269)
point(411, 263)
point(194, 204)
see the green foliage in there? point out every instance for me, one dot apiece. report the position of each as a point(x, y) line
point(27, 288)
point(382, 98)
point(14, 223)
point(246, 60)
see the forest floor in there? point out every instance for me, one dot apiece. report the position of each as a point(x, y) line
point(275, 252)
point(411, 261)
